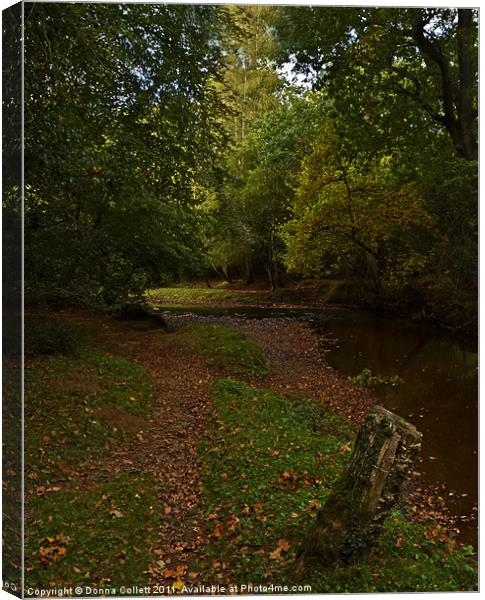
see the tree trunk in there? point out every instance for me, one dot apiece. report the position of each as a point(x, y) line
point(225, 272)
point(466, 114)
point(350, 522)
point(373, 271)
point(271, 277)
point(248, 271)
point(459, 115)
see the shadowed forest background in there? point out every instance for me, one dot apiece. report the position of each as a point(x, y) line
point(334, 147)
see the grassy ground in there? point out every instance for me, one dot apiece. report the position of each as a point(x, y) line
point(270, 463)
point(200, 294)
point(103, 534)
point(228, 294)
point(63, 394)
point(80, 530)
point(225, 349)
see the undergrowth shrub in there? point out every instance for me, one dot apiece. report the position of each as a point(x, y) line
point(46, 335)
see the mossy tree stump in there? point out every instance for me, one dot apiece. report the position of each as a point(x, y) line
point(348, 526)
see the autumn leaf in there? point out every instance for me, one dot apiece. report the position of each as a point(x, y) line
point(217, 530)
point(283, 545)
point(276, 554)
point(49, 554)
point(66, 470)
point(170, 574)
point(313, 504)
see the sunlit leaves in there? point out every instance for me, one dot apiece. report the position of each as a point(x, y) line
point(346, 209)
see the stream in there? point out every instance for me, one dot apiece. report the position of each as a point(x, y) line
point(438, 392)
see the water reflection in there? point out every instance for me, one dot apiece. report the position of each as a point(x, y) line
point(439, 394)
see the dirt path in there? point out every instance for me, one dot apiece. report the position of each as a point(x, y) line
point(297, 362)
point(166, 444)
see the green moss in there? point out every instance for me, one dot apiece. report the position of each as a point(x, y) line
point(101, 536)
point(226, 349)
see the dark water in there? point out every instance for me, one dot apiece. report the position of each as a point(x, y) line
point(439, 393)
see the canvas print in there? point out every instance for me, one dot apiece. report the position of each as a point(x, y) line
point(240, 299)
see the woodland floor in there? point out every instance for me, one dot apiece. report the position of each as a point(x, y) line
point(164, 443)
point(167, 446)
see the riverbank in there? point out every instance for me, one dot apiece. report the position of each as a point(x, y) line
point(213, 446)
point(441, 305)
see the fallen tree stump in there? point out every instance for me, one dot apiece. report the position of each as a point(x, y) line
point(348, 525)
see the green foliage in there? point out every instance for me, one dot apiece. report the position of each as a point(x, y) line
point(121, 130)
point(356, 215)
point(95, 536)
point(393, 72)
point(255, 199)
point(449, 186)
point(250, 82)
point(44, 335)
point(366, 377)
point(270, 463)
point(226, 350)
point(178, 146)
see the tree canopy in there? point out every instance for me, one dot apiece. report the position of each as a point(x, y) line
point(169, 141)
point(122, 124)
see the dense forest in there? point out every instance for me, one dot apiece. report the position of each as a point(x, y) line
point(173, 142)
point(228, 210)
